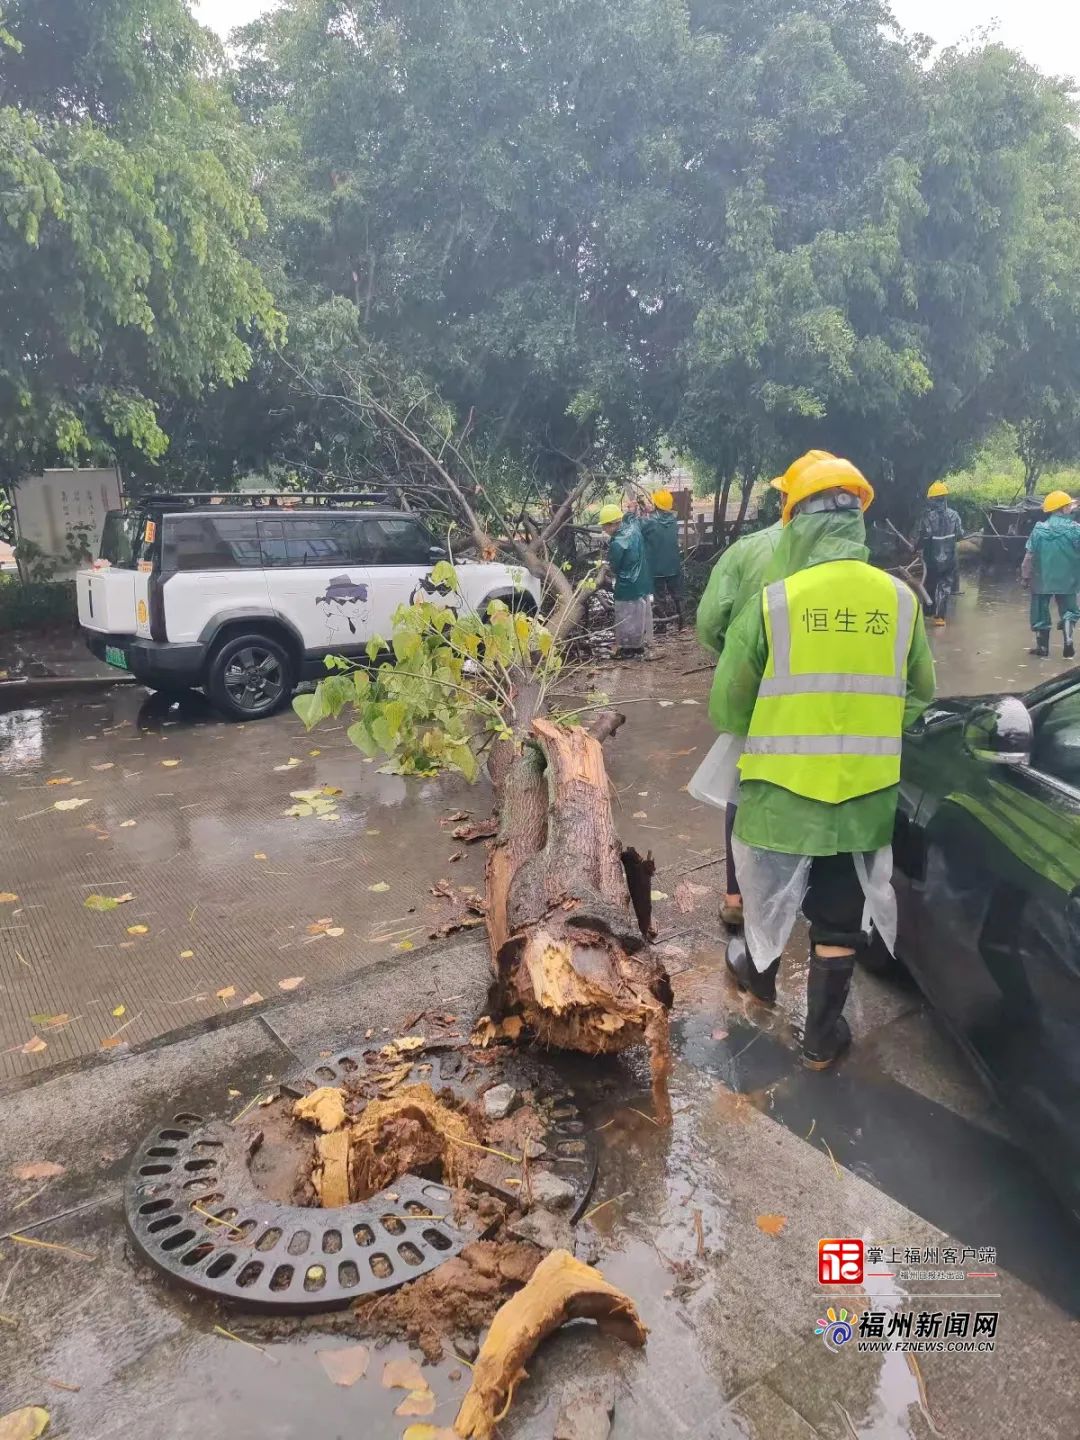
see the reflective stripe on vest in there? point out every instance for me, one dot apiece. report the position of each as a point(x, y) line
point(829, 714)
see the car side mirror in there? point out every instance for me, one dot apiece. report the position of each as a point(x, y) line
point(1000, 732)
point(437, 552)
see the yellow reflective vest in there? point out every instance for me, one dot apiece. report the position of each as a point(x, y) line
point(829, 714)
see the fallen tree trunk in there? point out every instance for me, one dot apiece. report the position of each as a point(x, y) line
point(569, 911)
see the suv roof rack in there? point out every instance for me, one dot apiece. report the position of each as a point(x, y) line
point(268, 498)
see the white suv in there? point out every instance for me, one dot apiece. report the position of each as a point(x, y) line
point(247, 600)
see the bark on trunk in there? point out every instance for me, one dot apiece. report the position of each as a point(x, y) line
point(569, 913)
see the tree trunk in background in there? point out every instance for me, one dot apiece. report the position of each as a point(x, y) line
point(569, 911)
point(720, 505)
point(744, 501)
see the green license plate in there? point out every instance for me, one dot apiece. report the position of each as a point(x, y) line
point(115, 656)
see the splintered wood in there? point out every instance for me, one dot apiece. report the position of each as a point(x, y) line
point(569, 914)
point(324, 1107)
point(407, 1132)
point(331, 1174)
point(561, 1289)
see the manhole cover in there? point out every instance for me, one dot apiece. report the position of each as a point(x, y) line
point(194, 1211)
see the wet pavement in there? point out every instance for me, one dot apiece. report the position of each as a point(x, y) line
point(712, 1227)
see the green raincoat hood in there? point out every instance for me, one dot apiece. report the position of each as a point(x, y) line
point(816, 539)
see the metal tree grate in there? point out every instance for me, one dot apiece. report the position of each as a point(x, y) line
point(194, 1211)
point(241, 1247)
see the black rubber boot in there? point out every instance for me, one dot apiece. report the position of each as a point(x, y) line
point(760, 985)
point(826, 1035)
point(1069, 652)
point(1042, 644)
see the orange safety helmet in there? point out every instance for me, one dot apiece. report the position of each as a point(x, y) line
point(937, 490)
point(830, 474)
point(782, 482)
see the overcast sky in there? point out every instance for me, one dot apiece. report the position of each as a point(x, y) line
point(1046, 31)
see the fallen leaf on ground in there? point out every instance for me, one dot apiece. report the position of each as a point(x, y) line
point(290, 764)
point(417, 1402)
point(409, 1042)
point(108, 765)
point(314, 752)
point(170, 763)
point(25, 1424)
point(8, 897)
point(379, 887)
point(430, 1432)
point(38, 1170)
point(372, 832)
point(291, 983)
point(259, 855)
point(111, 1043)
point(335, 931)
point(225, 993)
point(106, 902)
point(403, 1375)
point(771, 1224)
point(187, 954)
point(65, 781)
point(347, 1365)
point(127, 824)
point(458, 816)
point(50, 1022)
point(120, 1010)
point(403, 945)
point(658, 895)
point(34, 1046)
point(138, 929)
point(640, 815)
point(69, 804)
point(252, 999)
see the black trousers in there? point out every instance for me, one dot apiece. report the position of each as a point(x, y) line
point(834, 902)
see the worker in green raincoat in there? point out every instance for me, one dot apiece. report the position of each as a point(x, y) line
point(660, 531)
point(822, 677)
point(1052, 568)
point(738, 577)
point(628, 570)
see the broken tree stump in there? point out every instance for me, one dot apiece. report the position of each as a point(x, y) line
point(569, 911)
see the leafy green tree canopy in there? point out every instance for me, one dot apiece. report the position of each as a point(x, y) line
point(125, 204)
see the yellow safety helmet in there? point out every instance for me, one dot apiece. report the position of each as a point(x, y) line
point(782, 482)
point(1056, 500)
point(663, 499)
point(609, 514)
point(831, 474)
point(937, 490)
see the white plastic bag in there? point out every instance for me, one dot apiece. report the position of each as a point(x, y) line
point(716, 780)
point(773, 886)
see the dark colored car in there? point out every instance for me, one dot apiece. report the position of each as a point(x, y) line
point(987, 871)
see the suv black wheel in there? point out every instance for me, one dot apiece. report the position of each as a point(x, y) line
point(250, 676)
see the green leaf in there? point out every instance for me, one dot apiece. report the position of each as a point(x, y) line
point(394, 714)
point(362, 738)
point(100, 902)
point(310, 708)
point(406, 644)
point(374, 647)
point(445, 574)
